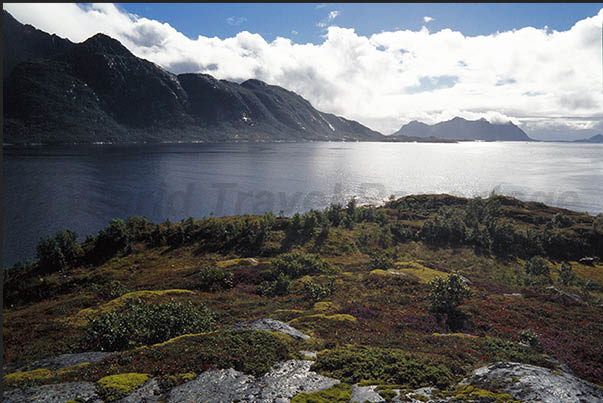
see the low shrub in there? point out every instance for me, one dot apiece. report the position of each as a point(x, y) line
point(297, 264)
point(280, 286)
point(252, 352)
point(315, 291)
point(212, 279)
point(387, 365)
point(142, 324)
point(56, 253)
point(445, 296)
point(381, 261)
point(537, 271)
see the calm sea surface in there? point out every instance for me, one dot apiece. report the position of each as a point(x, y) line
point(48, 189)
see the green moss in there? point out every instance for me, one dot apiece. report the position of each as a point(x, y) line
point(115, 387)
point(168, 382)
point(28, 378)
point(324, 307)
point(240, 262)
point(342, 317)
point(340, 393)
point(470, 392)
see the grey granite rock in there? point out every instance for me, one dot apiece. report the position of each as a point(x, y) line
point(531, 383)
point(147, 393)
point(310, 354)
point(224, 385)
point(285, 380)
point(362, 394)
point(58, 362)
point(271, 324)
point(57, 393)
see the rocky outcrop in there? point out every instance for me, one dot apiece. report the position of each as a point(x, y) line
point(58, 393)
point(362, 394)
point(284, 381)
point(271, 325)
point(58, 362)
point(531, 383)
point(289, 378)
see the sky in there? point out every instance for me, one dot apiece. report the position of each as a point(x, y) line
point(539, 66)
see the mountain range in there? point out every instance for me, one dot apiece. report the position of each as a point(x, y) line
point(462, 129)
point(57, 91)
point(98, 91)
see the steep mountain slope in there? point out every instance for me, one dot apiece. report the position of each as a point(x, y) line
point(98, 91)
point(24, 42)
point(462, 129)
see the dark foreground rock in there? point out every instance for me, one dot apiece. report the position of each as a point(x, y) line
point(530, 383)
point(58, 362)
point(59, 393)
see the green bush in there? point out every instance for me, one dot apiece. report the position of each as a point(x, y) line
point(446, 227)
point(56, 253)
point(445, 296)
point(315, 291)
point(387, 365)
point(211, 278)
point(566, 274)
point(381, 261)
point(297, 264)
point(280, 286)
point(138, 228)
point(113, 239)
point(537, 266)
point(560, 220)
point(529, 337)
point(140, 323)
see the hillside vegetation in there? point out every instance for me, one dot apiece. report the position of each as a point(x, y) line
point(418, 292)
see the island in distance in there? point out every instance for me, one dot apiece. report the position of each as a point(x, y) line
point(462, 129)
point(598, 139)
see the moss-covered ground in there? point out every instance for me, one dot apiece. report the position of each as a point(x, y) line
point(375, 326)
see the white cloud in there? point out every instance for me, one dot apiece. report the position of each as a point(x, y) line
point(333, 14)
point(235, 20)
point(294, 32)
point(427, 19)
point(384, 80)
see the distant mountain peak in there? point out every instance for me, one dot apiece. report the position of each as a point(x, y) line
point(252, 82)
point(105, 44)
point(459, 128)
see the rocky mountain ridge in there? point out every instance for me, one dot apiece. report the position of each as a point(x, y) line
point(98, 91)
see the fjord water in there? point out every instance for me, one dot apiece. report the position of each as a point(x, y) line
point(82, 187)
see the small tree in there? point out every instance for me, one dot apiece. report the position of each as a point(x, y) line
point(56, 253)
point(445, 296)
point(381, 261)
point(566, 275)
